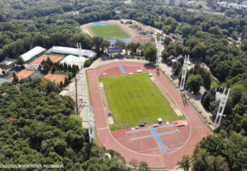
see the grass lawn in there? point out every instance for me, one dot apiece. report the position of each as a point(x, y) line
point(214, 83)
point(134, 99)
point(109, 32)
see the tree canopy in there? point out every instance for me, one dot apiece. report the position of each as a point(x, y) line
point(194, 83)
point(151, 53)
point(39, 126)
point(220, 152)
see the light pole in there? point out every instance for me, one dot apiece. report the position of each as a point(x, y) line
point(186, 62)
point(223, 101)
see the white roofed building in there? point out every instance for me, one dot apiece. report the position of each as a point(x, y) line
point(32, 53)
point(71, 51)
point(73, 60)
point(222, 4)
point(232, 5)
point(175, 2)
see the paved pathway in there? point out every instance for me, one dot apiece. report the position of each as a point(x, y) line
point(83, 99)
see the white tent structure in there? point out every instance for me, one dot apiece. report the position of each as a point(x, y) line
point(72, 60)
point(71, 51)
point(33, 52)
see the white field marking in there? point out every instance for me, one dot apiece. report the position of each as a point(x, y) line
point(200, 127)
point(150, 149)
point(175, 144)
point(102, 128)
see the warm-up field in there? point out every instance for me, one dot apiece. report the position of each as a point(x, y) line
point(134, 99)
point(109, 32)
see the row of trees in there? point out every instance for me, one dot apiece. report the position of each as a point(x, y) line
point(146, 49)
point(56, 66)
point(197, 77)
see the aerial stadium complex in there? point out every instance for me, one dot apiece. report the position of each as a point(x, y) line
point(140, 114)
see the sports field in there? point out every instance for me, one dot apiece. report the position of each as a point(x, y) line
point(53, 58)
point(55, 77)
point(109, 32)
point(23, 74)
point(134, 99)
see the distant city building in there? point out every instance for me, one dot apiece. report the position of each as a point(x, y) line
point(232, 5)
point(211, 3)
point(221, 4)
point(175, 2)
point(244, 3)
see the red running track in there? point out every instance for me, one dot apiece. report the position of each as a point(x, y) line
point(198, 129)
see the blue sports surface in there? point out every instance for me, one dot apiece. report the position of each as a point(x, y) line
point(121, 69)
point(155, 135)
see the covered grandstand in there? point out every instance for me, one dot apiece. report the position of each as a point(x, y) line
point(32, 53)
point(73, 60)
point(70, 51)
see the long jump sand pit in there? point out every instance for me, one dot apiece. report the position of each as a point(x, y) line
point(55, 77)
point(23, 74)
point(54, 58)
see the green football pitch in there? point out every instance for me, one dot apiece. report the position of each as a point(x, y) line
point(134, 99)
point(109, 32)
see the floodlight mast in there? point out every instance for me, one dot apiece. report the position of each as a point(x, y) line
point(80, 56)
point(221, 108)
point(90, 115)
point(91, 125)
point(158, 52)
point(186, 62)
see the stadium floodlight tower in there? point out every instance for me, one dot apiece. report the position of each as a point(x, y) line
point(158, 52)
point(91, 125)
point(80, 58)
point(90, 115)
point(186, 62)
point(81, 64)
point(221, 108)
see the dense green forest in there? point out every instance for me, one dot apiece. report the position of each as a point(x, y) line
point(25, 24)
point(219, 152)
point(38, 126)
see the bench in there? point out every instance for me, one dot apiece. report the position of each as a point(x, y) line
point(142, 124)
